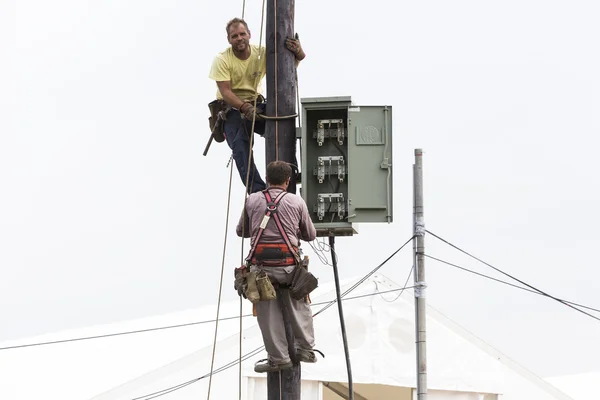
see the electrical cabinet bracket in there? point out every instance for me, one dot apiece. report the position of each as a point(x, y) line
point(325, 167)
point(325, 130)
point(325, 202)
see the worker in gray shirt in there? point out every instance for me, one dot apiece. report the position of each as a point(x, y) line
point(276, 221)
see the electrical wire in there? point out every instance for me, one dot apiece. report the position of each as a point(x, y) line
point(174, 388)
point(512, 277)
point(113, 334)
point(233, 363)
point(320, 248)
point(365, 277)
point(253, 352)
point(402, 291)
point(188, 324)
point(505, 282)
point(240, 359)
point(208, 321)
point(341, 314)
point(320, 254)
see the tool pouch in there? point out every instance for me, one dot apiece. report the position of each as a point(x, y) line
point(303, 282)
point(252, 292)
point(218, 109)
point(265, 287)
point(240, 282)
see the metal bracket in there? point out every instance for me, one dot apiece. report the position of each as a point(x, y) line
point(324, 169)
point(341, 169)
point(330, 198)
point(341, 209)
point(324, 130)
point(320, 134)
point(321, 170)
point(340, 132)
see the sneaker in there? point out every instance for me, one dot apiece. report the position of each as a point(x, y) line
point(307, 356)
point(269, 366)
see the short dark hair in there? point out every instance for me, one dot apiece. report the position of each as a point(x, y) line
point(235, 21)
point(278, 172)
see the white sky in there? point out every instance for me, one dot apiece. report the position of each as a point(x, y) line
point(109, 211)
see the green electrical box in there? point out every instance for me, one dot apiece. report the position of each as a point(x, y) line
point(346, 153)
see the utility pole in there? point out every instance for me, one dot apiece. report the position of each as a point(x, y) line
point(280, 134)
point(280, 137)
point(419, 262)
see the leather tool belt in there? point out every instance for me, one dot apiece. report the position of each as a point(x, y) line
point(273, 255)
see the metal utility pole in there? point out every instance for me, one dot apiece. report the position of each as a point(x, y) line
point(280, 134)
point(419, 260)
point(280, 137)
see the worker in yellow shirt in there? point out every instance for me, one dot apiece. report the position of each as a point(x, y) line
point(238, 72)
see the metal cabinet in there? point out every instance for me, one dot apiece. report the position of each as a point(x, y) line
point(346, 153)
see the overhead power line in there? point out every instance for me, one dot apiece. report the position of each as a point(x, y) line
point(107, 335)
point(505, 282)
point(18, 346)
point(568, 304)
point(171, 389)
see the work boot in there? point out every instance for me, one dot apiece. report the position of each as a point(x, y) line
point(307, 356)
point(270, 366)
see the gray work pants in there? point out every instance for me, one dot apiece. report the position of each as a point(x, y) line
point(270, 319)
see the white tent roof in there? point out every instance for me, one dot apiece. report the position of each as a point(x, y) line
point(579, 386)
point(81, 369)
point(381, 340)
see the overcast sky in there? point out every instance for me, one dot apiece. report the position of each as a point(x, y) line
point(109, 211)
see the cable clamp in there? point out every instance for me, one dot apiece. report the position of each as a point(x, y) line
point(420, 226)
point(420, 289)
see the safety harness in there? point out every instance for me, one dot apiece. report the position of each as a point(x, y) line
point(272, 254)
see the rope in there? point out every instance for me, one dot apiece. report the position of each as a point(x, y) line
point(240, 359)
point(221, 280)
point(251, 139)
point(226, 229)
point(251, 134)
point(278, 118)
point(276, 87)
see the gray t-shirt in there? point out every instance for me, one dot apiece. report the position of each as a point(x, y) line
point(293, 214)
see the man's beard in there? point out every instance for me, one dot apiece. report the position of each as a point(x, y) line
point(240, 47)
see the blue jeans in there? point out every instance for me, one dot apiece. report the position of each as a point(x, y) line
point(236, 132)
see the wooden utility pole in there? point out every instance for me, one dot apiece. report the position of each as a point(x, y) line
point(280, 137)
point(419, 260)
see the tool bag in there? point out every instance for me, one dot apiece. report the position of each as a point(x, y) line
point(218, 111)
point(303, 282)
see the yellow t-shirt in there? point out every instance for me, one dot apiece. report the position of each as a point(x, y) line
point(241, 73)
